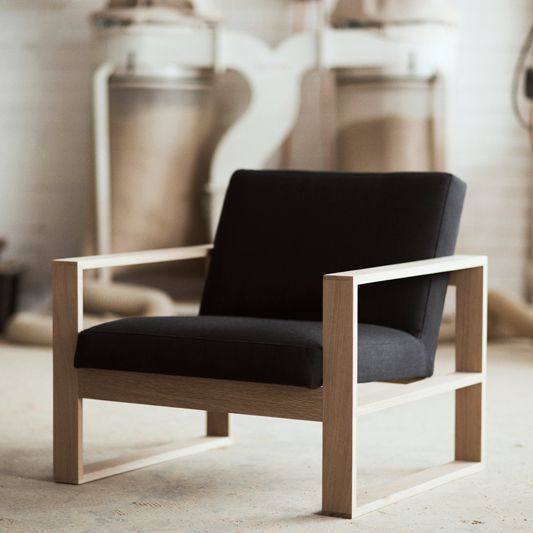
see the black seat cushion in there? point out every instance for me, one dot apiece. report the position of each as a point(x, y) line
point(287, 352)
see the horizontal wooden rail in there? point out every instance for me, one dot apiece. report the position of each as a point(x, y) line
point(261, 399)
point(148, 457)
point(415, 484)
point(241, 397)
point(418, 390)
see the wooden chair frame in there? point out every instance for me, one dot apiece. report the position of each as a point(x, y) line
point(336, 404)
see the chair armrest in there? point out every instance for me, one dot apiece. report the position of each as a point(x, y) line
point(68, 285)
point(138, 258)
point(469, 275)
point(411, 269)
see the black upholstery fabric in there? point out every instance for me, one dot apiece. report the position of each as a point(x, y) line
point(248, 349)
point(281, 231)
point(261, 312)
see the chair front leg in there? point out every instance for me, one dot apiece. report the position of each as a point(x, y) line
point(68, 423)
point(339, 397)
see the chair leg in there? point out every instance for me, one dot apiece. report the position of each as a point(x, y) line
point(218, 424)
point(68, 439)
point(68, 424)
point(338, 467)
point(468, 423)
point(339, 395)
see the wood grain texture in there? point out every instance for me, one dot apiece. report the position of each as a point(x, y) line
point(412, 269)
point(217, 395)
point(139, 258)
point(149, 457)
point(340, 394)
point(340, 378)
point(248, 398)
point(414, 484)
point(335, 403)
point(68, 321)
point(68, 423)
point(469, 424)
point(470, 356)
point(418, 390)
point(218, 424)
point(470, 318)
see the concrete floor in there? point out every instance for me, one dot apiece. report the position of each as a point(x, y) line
point(269, 480)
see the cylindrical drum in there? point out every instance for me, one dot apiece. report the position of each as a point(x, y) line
point(160, 130)
point(384, 124)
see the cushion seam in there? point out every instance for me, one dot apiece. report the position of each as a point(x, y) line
point(301, 346)
point(203, 339)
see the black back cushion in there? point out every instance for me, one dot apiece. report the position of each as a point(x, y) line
point(281, 231)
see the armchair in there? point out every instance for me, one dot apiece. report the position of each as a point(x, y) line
point(286, 331)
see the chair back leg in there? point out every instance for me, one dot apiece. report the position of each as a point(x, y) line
point(218, 424)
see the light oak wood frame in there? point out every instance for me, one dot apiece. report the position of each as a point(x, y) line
point(68, 395)
point(336, 404)
point(342, 407)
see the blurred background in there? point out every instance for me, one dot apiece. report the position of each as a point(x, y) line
point(165, 125)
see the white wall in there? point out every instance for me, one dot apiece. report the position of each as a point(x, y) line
point(45, 128)
point(488, 149)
